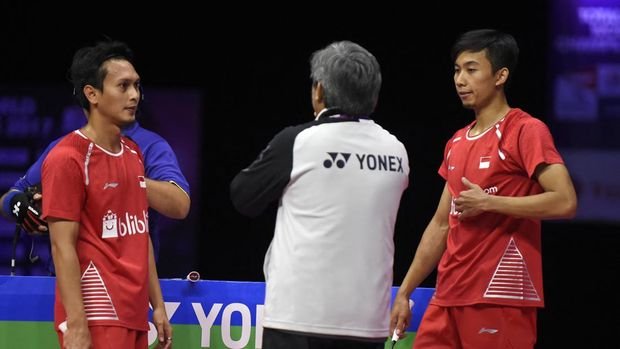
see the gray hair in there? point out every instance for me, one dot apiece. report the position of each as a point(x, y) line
point(350, 76)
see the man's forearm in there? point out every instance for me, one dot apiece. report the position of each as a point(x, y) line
point(167, 199)
point(427, 256)
point(68, 278)
point(155, 295)
point(63, 236)
point(540, 206)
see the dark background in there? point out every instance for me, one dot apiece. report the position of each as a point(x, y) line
point(253, 73)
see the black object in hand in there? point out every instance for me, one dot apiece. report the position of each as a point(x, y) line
point(27, 211)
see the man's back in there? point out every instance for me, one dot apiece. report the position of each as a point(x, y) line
point(329, 267)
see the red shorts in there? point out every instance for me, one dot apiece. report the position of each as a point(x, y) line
point(480, 326)
point(114, 337)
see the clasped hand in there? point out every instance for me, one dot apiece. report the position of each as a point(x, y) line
point(471, 202)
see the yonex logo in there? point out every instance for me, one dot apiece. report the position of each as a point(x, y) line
point(380, 162)
point(372, 162)
point(340, 163)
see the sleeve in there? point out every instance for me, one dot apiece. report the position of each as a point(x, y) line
point(535, 146)
point(263, 182)
point(33, 174)
point(32, 177)
point(161, 164)
point(63, 186)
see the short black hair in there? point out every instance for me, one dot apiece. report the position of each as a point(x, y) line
point(501, 48)
point(87, 66)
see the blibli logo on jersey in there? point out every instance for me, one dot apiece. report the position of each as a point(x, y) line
point(372, 162)
point(110, 226)
point(114, 227)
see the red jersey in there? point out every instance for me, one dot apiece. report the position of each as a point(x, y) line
point(495, 258)
point(106, 194)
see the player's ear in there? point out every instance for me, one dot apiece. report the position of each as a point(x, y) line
point(501, 76)
point(319, 92)
point(91, 94)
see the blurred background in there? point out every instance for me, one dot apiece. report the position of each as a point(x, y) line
point(220, 83)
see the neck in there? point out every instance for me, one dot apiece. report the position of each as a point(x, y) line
point(489, 115)
point(105, 135)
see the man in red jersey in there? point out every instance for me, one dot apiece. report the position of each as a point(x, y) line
point(503, 175)
point(97, 214)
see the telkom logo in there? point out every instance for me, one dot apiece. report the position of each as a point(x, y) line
point(490, 190)
point(112, 226)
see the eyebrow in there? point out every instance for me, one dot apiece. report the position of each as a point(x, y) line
point(130, 80)
point(470, 62)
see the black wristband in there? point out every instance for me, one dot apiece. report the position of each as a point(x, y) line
point(19, 207)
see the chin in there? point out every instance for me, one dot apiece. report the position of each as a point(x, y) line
point(127, 121)
point(468, 105)
point(130, 118)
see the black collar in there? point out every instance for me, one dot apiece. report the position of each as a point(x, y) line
point(331, 112)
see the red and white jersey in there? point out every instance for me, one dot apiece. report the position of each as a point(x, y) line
point(106, 194)
point(495, 258)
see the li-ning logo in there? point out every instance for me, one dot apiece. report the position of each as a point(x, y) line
point(488, 330)
point(340, 163)
point(112, 226)
point(110, 185)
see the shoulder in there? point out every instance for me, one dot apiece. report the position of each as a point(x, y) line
point(131, 146)
point(521, 120)
point(459, 134)
point(71, 145)
point(520, 117)
point(385, 135)
point(71, 151)
point(129, 143)
point(288, 134)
